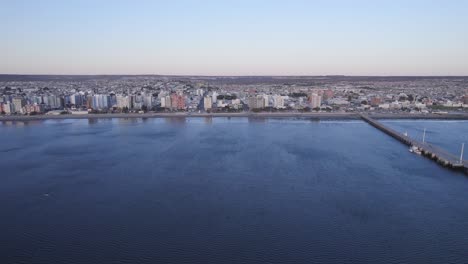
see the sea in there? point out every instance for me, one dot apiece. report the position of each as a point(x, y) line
point(228, 190)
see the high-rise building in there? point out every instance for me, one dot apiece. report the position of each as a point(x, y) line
point(167, 100)
point(122, 101)
point(207, 102)
point(76, 99)
point(260, 102)
point(89, 101)
point(315, 100)
point(257, 102)
point(252, 102)
point(177, 101)
point(101, 101)
point(266, 100)
point(18, 104)
point(7, 108)
point(148, 101)
point(278, 101)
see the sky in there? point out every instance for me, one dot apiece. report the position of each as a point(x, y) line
point(238, 37)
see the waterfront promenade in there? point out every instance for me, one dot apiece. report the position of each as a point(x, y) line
point(315, 115)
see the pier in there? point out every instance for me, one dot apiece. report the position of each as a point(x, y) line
point(435, 153)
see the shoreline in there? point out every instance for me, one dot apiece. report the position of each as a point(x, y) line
point(319, 116)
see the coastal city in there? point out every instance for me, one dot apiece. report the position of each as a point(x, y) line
point(82, 95)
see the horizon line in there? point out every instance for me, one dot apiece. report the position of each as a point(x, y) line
point(227, 76)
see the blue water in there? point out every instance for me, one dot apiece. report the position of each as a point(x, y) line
point(224, 190)
point(447, 134)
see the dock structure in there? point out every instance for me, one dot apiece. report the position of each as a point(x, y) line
point(435, 153)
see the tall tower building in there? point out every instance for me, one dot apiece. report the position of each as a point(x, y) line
point(207, 102)
point(315, 100)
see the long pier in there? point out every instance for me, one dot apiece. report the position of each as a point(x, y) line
point(435, 153)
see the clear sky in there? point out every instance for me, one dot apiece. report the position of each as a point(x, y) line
point(238, 37)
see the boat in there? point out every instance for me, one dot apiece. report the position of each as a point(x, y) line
point(414, 149)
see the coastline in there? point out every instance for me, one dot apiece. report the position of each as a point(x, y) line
point(353, 115)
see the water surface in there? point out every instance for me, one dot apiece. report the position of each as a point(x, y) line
point(239, 190)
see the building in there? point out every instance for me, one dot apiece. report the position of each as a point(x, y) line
point(122, 101)
point(266, 101)
point(52, 101)
point(278, 101)
point(18, 104)
point(236, 103)
point(315, 100)
point(465, 99)
point(207, 102)
point(32, 108)
point(167, 102)
point(101, 101)
point(256, 102)
point(148, 101)
point(76, 100)
point(260, 102)
point(5, 108)
point(177, 101)
point(89, 101)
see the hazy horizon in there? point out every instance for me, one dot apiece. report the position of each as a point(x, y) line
point(246, 38)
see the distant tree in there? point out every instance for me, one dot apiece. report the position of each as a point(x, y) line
point(144, 108)
point(3, 113)
point(364, 102)
point(410, 97)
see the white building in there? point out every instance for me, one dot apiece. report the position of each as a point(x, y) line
point(168, 103)
point(278, 101)
point(266, 100)
point(122, 101)
point(221, 104)
point(148, 101)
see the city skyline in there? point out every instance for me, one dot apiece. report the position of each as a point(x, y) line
point(269, 38)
